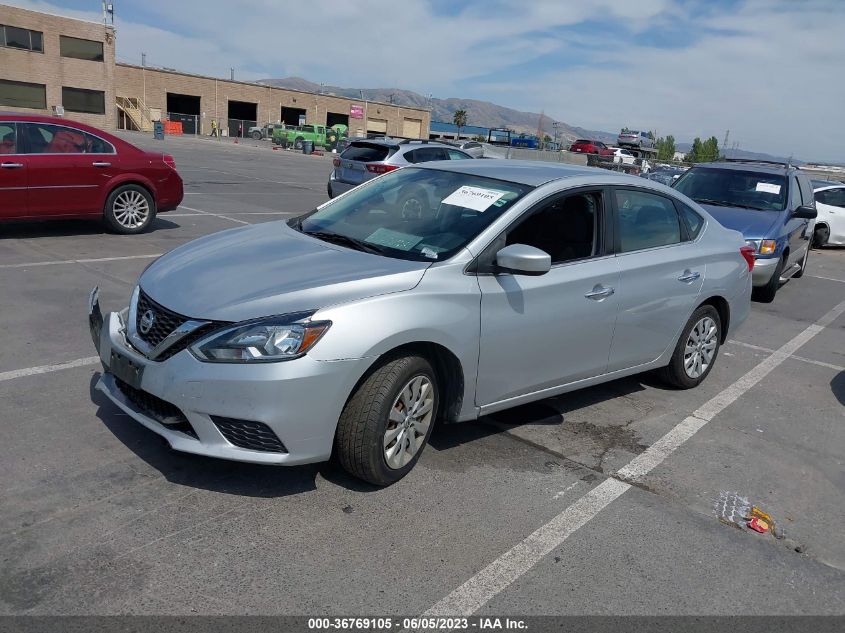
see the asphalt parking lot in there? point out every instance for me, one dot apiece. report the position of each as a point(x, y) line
point(596, 502)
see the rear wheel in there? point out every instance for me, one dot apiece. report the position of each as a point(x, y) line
point(256, 135)
point(696, 350)
point(129, 209)
point(387, 421)
point(766, 294)
point(820, 236)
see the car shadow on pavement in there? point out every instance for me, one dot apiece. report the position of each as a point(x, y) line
point(196, 471)
point(551, 411)
point(69, 228)
point(837, 385)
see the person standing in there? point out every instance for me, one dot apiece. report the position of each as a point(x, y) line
point(214, 127)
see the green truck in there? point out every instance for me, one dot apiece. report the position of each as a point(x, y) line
point(320, 135)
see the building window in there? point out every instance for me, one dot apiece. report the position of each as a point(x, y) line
point(13, 37)
point(80, 100)
point(21, 94)
point(80, 49)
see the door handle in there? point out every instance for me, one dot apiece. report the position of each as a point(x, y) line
point(689, 276)
point(11, 165)
point(599, 292)
point(97, 163)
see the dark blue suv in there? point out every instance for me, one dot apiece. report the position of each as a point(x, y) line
point(771, 204)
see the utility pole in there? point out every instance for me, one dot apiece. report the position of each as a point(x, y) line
point(143, 59)
point(555, 126)
point(725, 142)
point(232, 74)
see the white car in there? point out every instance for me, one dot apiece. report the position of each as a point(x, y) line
point(830, 223)
point(622, 156)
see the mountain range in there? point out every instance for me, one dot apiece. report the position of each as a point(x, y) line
point(480, 113)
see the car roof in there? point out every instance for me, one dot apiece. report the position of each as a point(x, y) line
point(750, 165)
point(523, 172)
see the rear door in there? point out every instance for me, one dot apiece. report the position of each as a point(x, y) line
point(661, 275)
point(354, 159)
point(13, 174)
point(68, 170)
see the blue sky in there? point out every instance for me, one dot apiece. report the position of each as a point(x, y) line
point(770, 71)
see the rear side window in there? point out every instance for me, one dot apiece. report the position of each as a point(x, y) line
point(456, 155)
point(691, 219)
point(8, 141)
point(366, 152)
point(426, 154)
point(646, 220)
point(832, 197)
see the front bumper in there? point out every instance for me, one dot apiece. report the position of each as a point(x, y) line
point(763, 270)
point(299, 400)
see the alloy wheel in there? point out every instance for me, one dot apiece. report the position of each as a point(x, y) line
point(408, 422)
point(131, 209)
point(700, 347)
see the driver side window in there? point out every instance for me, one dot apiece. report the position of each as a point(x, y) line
point(566, 227)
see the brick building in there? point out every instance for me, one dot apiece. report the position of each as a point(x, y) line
point(48, 61)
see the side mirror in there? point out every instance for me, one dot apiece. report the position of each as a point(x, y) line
point(521, 259)
point(805, 213)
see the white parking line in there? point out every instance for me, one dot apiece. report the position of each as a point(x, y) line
point(801, 358)
point(80, 261)
point(216, 215)
point(200, 215)
point(842, 281)
point(45, 369)
point(498, 575)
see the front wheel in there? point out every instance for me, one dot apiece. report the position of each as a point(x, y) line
point(696, 350)
point(387, 421)
point(256, 136)
point(297, 144)
point(129, 209)
point(766, 294)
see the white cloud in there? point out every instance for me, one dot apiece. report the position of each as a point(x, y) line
point(773, 78)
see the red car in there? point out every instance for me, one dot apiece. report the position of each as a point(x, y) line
point(585, 146)
point(53, 168)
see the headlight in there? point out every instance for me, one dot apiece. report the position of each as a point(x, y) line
point(755, 244)
point(262, 341)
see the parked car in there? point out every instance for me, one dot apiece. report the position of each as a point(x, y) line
point(54, 168)
point(664, 175)
point(364, 160)
point(623, 156)
point(586, 146)
point(634, 138)
point(354, 328)
point(829, 227)
point(264, 131)
point(771, 204)
point(473, 148)
point(320, 135)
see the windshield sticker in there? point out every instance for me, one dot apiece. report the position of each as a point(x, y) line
point(475, 198)
point(768, 187)
point(429, 252)
point(394, 239)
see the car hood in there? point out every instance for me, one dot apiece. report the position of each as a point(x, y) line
point(268, 269)
point(752, 224)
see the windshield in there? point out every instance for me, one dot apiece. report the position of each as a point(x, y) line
point(733, 188)
point(413, 213)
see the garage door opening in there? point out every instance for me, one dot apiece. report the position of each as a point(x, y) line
point(290, 116)
point(335, 118)
point(185, 109)
point(242, 116)
point(376, 127)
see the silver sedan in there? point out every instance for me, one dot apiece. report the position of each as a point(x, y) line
point(435, 293)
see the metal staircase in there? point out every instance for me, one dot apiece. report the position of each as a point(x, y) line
point(136, 112)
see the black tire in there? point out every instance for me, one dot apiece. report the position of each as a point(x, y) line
point(297, 143)
point(256, 135)
point(820, 236)
point(675, 373)
point(112, 211)
point(329, 190)
point(800, 273)
point(766, 294)
point(359, 441)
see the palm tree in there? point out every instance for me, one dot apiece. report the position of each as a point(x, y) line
point(460, 120)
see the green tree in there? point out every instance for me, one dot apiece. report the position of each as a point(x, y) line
point(651, 134)
point(696, 152)
point(624, 130)
point(665, 147)
point(460, 120)
point(710, 149)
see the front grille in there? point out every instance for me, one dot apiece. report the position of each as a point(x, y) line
point(165, 322)
point(160, 410)
point(255, 436)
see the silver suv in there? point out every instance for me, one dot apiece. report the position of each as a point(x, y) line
point(364, 160)
point(633, 138)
